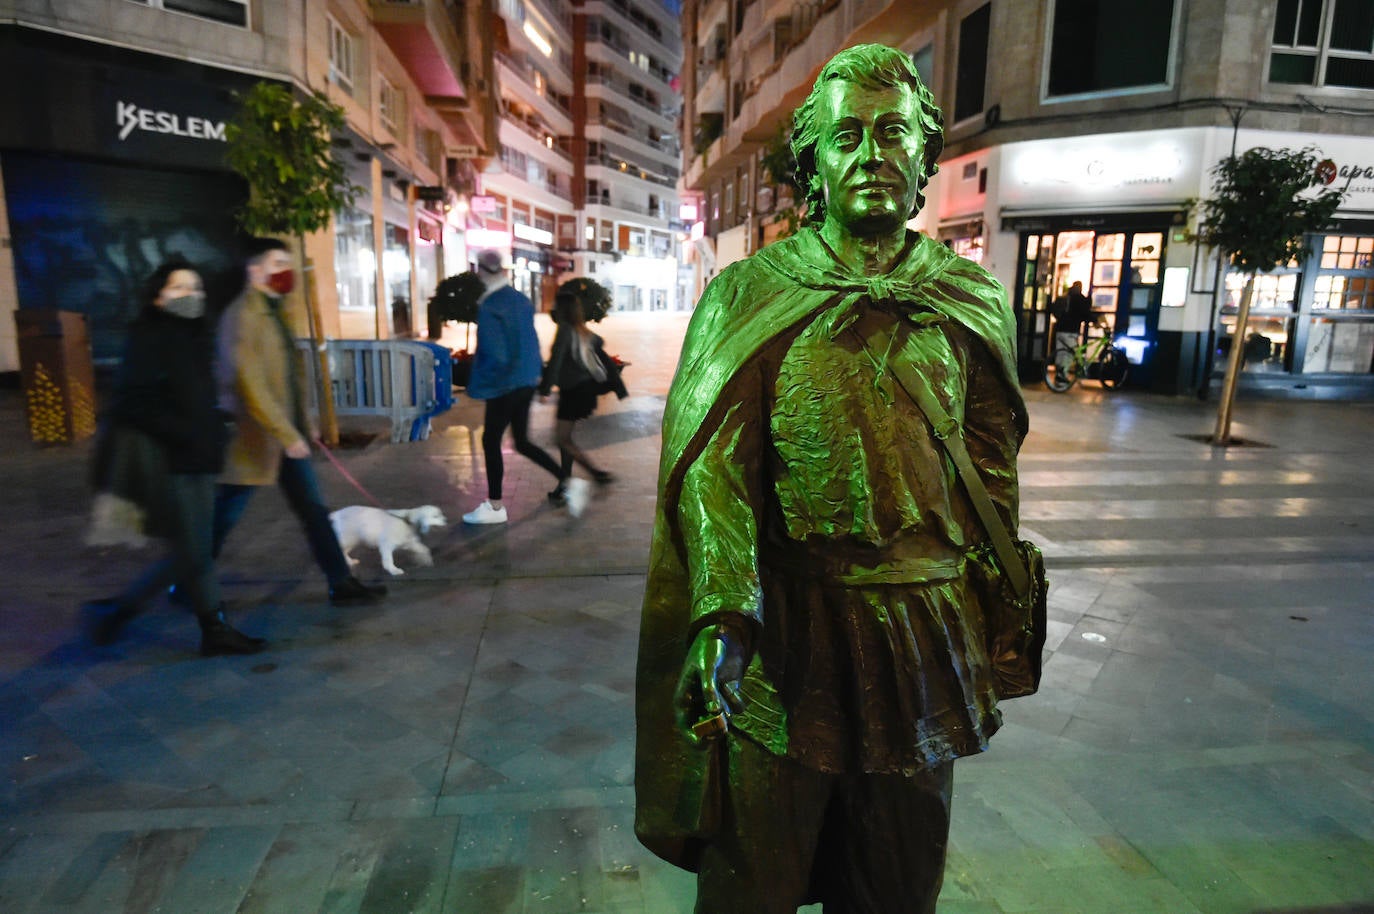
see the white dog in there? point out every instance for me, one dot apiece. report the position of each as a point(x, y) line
point(386, 531)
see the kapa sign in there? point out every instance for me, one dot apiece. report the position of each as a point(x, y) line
point(129, 117)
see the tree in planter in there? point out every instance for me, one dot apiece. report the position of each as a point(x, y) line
point(1258, 217)
point(455, 299)
point(283, 147)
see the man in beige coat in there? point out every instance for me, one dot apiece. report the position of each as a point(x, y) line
point(262, 383)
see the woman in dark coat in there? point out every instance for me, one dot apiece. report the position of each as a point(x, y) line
point(577, 366)
point(162, 448)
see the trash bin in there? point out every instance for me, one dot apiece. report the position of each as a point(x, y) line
point(57, 374)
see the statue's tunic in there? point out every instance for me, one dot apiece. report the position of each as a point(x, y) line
point(803, 497)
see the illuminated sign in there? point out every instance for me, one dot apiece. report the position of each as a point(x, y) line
point(1116, 169)
point(530, 233)
point(488, 238)
point(130, 117)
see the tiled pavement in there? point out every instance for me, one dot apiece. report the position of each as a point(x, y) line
point(1204, 740)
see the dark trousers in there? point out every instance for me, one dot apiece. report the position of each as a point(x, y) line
point(511, 411)
point(297, 482)
point(858, 843)
point(189, 563)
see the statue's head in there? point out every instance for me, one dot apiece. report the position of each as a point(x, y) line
point(866, 139)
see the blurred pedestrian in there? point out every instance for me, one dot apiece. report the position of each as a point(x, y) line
point(578, 366)
point(262, 384)
point(505, 370)
point(161, 449)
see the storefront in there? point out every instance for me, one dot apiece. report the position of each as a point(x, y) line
point(1111, 210)
point(1118, 259)
point(1108, 211)
point(112, 161)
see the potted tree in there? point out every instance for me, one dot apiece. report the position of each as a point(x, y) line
point(1262, 208)
point(282, 146)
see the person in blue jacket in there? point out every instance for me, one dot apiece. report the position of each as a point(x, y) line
point(506, 369)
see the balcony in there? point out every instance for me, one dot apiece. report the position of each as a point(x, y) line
point(644, 25)
point(529, 84)
point(422, 36)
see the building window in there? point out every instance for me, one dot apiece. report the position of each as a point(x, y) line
point(1106, 45)
point(1323, 43)
point(232, 12)
point(428, 146)
point(340, 56)
point(972, 74)
point(392, 106)
point(924, 61)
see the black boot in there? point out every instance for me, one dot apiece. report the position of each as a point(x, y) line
point(351, 592)
point(219, 637)
point(105, 619)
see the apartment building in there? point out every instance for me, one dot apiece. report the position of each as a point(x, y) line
point(112, 141)
point(1077, 133)
point(580, 175)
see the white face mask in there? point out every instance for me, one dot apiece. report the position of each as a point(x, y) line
point(188, 306)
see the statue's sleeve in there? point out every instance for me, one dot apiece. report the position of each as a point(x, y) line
point(722, 495)
point(990, 427)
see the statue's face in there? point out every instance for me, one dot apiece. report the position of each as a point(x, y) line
point(869, 157)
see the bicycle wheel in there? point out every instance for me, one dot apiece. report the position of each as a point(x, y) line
point(1061, 373)
point(1112, 368)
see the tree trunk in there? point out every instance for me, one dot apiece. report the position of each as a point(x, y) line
point(1222, 434)
point(324, 386)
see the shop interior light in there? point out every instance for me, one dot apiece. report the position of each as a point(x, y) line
point(538, 40)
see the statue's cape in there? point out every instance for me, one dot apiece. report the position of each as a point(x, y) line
point(775, 293)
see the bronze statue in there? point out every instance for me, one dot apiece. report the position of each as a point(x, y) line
point(813, 653)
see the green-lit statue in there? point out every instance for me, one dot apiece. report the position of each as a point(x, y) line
point(812, 655)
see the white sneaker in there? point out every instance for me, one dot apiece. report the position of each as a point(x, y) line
point(485, 514)
point(577, 493)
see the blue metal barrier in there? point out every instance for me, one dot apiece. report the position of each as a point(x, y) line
point(406, 381)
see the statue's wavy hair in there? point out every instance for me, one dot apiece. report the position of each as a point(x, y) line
point(873, 66)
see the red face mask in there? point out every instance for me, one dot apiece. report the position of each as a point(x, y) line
point(282, 282)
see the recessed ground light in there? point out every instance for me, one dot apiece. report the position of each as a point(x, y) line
point(1094, 636)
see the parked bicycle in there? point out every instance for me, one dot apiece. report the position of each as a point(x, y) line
point(1097, 357)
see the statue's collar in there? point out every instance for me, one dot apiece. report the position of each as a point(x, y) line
point(805, 258)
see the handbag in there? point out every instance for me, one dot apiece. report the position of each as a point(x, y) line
point(1008, 576)
point(129, 473)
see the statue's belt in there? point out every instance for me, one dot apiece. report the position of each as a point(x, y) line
point(839, 565)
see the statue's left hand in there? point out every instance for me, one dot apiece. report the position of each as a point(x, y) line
point(708, 689)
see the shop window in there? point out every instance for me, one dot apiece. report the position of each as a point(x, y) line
point(972, 72)
point(396, 263)
point(1347, 252)
point(355, 262)
point(341, 43)
point(1107, 45)
point(391, 106)
point(232, 12)
point(1323, 43)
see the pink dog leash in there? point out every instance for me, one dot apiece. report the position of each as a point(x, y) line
point(347, 475)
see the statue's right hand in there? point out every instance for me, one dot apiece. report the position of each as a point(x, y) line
point(708, 689)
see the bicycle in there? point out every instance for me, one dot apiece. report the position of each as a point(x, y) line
point(1097, 357)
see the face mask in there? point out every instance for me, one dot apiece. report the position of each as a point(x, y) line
point(282, 282)
point(188, 306)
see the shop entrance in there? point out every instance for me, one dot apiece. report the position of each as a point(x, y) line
point(1120, 272)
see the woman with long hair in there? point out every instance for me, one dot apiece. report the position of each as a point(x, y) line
point(161, 448)
point(577, 366)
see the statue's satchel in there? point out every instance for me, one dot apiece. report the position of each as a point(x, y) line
point(1007, 574)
